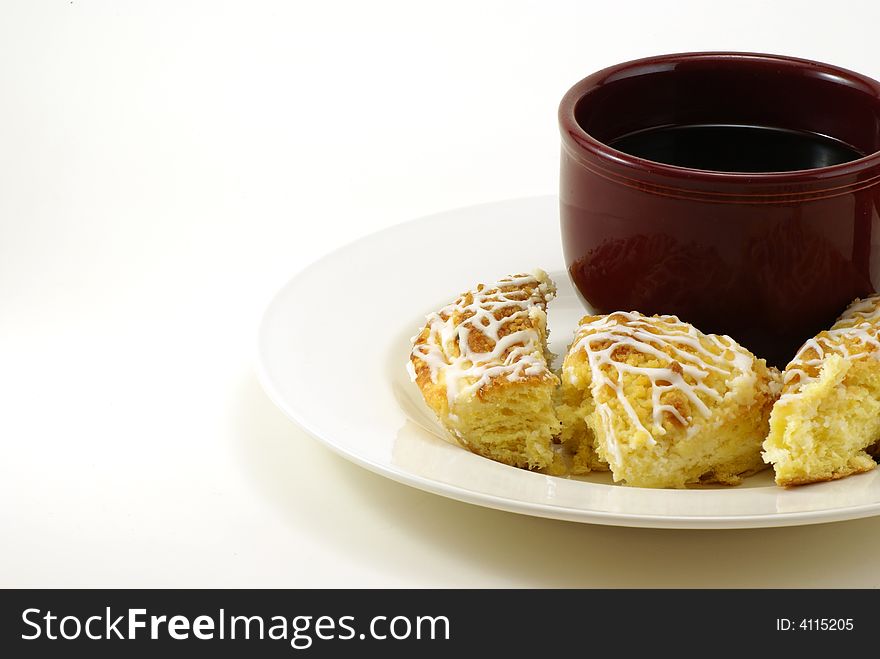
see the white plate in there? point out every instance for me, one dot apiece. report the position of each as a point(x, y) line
point(332, 351)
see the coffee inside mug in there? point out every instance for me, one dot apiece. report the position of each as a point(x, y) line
point(714, 118)
point(734, 148)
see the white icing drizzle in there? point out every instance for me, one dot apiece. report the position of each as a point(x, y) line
point(662, 337)
point(515, 356)
point(859, 324)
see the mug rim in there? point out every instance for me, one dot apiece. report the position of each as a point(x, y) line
point(576, 138)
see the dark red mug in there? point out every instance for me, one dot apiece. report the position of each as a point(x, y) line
point(767, 258)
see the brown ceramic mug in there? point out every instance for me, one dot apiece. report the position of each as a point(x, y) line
point(767, 257)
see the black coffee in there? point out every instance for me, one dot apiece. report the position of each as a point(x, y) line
point(731, 148)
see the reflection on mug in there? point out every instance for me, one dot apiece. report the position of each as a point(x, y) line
point(789, 283)
point(655, 274)
point(802, 280)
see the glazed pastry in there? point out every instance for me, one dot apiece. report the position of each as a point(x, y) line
point(482, 365)
point(662, 404)
point(826, 424)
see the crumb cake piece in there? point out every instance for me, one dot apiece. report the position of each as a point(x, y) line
point(482, 365)
point(662, 404)
point(826, 424)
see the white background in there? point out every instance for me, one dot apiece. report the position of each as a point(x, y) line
point(166, 166)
